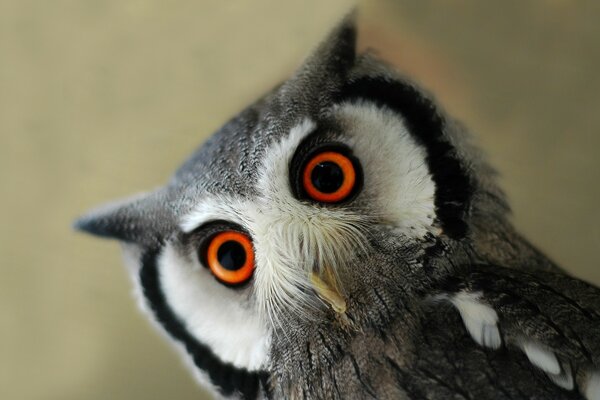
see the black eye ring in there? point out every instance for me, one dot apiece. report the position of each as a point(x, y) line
point(230, 257)
point(226, 250)
point(327, 173)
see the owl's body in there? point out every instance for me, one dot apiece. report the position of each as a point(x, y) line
point(341, 239)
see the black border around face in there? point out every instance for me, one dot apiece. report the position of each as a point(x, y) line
point(454, 187)
point(226, 377)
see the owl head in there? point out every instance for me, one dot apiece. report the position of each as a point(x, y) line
point(316, 214)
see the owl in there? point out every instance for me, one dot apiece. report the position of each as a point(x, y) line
point(341, 239)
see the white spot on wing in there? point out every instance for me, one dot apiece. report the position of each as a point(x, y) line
point(482, 323)
point(564, 379)
point(480, 319)
point(541, 357)
point(592, 389)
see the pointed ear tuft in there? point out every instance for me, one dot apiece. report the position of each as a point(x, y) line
point(344, 39)
point(319, 80)
point(142, 219)
point(337, 52)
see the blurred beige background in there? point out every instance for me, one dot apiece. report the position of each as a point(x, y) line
point(101, 99)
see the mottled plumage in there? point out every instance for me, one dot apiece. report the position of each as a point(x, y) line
point(414, 287)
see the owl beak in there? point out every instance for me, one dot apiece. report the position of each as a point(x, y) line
point(326, 287)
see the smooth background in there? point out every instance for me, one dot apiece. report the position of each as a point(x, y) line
point(101, 99)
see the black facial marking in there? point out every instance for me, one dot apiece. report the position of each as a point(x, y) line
point(226, 377)
point(327, 177)
point(231, 255)
point(454, 187)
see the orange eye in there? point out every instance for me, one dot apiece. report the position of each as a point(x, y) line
point(230, 257)
point(329, 177)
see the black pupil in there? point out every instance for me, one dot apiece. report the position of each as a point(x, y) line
point(231, 255)
point(327, 177)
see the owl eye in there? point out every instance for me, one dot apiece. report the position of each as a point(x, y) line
point(330, 176)
point(230, 257)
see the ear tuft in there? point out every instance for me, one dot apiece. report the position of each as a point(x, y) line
point(316, 84)
point(337, 53)
point(342, 41)
point(141, 219)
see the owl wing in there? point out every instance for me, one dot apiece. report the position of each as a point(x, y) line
point(551, 317)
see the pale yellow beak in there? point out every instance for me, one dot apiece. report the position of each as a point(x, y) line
point(328, 290)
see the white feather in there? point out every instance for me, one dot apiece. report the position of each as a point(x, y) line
point(216, 315)
point(541, 357)
point(564, 379)
point(398, 182)
point(480, 319)
point(482, 323)
point(592, 389)
point(131, 255)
